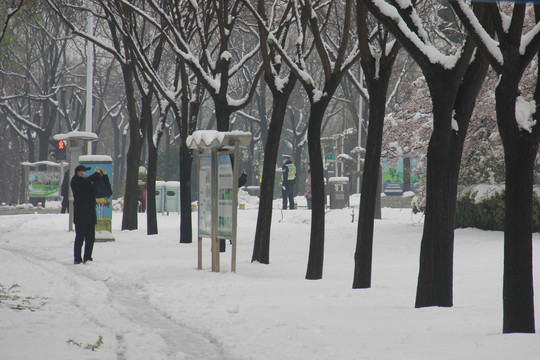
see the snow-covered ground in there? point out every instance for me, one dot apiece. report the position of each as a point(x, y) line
point(146, 300)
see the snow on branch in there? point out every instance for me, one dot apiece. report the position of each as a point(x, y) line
point(529, 39)
point(477, 31)
point(412, 37)
point(524, 114)
point(13, 114)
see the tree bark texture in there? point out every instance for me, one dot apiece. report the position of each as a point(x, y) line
point(137, 132)
point(129, 218)
point(151, 171)
point(520, 150)
point(261, 246)
point(186, 161)
point(370, 178)
point(151, 211)
point(316, 245)
point(435, 278)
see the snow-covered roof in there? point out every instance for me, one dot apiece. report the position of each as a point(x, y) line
point(172, 184)
point(48, 163)
point(338, 179)
point(217, 139)
point(76, 135)
point(95, 158)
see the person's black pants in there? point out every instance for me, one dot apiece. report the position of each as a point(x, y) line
point(84, 233)
point(287, 193)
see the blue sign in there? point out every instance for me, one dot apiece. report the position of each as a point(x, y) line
point(103, 205)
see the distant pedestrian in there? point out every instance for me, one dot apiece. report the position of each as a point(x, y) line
point(84, 213)
point(308, 188)
point(287, 182)
point(64, 191)
point(242, 180)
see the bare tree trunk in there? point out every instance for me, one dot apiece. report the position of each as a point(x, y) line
point(186, 162)
point(316, 246)
point(261, 246)
point(435, 278)
point(518, 298)
point(370, 179)
point(151, 211)
point(520, 149)
point(188, 122)
point(129, 219)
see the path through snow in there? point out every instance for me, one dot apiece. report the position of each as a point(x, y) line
point(125, 314)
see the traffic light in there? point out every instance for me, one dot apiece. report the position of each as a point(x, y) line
point(60, 151)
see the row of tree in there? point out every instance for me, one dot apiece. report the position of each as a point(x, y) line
point(175, 56)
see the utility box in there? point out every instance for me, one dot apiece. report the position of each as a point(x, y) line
point(339, 192)
point(172, 196)
point(103, 205)
point(160, 196)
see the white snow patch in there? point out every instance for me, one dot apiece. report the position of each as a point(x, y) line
point(524, 113)
point(146, 298)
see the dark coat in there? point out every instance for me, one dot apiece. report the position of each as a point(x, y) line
point(84, 200)
point(242, 180)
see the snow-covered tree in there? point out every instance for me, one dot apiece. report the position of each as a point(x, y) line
point(510, 52)
point(379, 51)
point(273, 23)
point(329, 47)
point(37, 78)
point(453, 80)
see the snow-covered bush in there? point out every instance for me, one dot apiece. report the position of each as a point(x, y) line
point(486, 211)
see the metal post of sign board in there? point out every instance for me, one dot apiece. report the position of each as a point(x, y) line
point(76, 141)
point(234, 207)
point(26, 190)
point(215, 240)
point(218, 191)
point(75, 149)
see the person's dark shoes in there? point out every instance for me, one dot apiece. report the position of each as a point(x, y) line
point(90, 259)
point(76, 262)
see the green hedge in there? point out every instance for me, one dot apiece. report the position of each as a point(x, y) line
point(488, 214)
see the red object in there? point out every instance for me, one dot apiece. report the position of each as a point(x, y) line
point(143, 200)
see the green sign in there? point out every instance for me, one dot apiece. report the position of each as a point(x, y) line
point(330, 157)
point(205, 195)
point(43, 183)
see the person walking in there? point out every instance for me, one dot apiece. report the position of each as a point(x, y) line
point(287, 182)
point(84, 212)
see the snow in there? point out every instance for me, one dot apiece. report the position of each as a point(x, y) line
point(77, 135)
point(214, 138)
point(455, 125)
point(226, 55)
point(492, 46)
point(44, 162)
point(528, 37)
point(95, 158)
point(317, 95)
point(524, 113)
point(432, 53)
point(482, 191)
point(144, 296)
point(338, 179)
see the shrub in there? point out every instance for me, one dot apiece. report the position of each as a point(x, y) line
point(488, 213)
